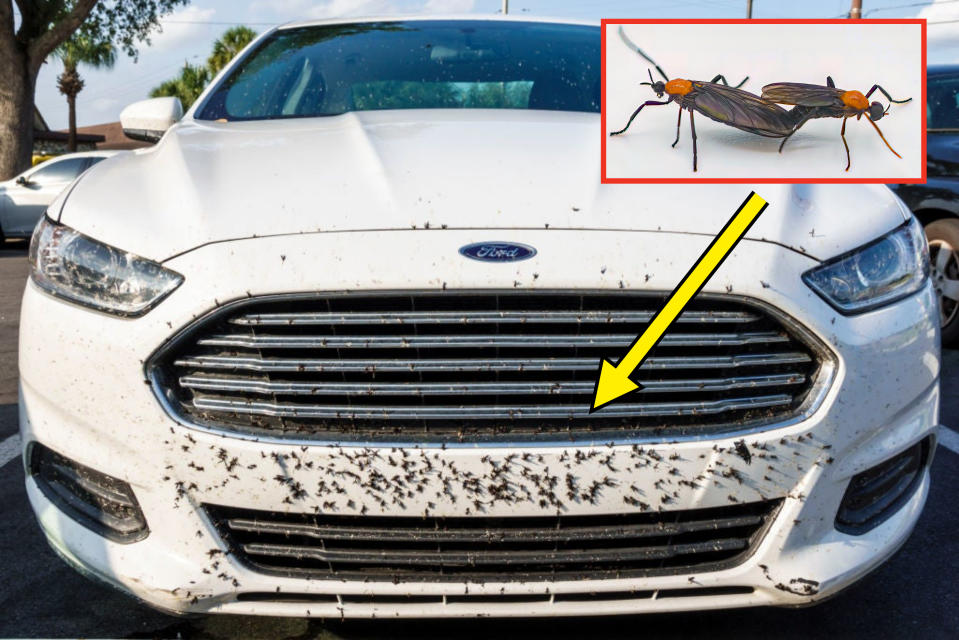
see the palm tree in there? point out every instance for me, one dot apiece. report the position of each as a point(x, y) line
point(80, 49)
point(227, 46)
point(187, 86)
point(193, 78)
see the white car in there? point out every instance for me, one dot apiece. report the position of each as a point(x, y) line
point(24, 199)
point(329, 348)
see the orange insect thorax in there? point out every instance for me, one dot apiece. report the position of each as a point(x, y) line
point(855, 100)
point(679, 87)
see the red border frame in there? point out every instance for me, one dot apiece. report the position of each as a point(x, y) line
point(922, 101)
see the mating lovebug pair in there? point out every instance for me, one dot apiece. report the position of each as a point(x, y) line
point(817, 101)
point(761, 115)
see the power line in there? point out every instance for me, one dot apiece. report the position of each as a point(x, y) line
point(908, 6)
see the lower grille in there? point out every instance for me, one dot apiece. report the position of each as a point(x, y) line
point(400, 548)
point(479, 365)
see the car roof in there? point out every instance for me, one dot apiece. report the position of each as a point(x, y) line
point(942, 69)
point(438, 17)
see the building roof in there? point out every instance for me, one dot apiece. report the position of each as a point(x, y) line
point(39, 124)
point(62, 136)
point(110, 136)
point(41, 131)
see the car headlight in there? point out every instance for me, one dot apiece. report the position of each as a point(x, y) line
point(883, 271)
point(70, 265)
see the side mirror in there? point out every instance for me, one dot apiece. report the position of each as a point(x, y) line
point(148, 120)
point(22, 181)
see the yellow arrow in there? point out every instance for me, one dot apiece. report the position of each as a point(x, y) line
point(614, 381)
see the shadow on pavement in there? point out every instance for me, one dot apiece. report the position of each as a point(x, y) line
point(8, 420)
point(13, 246)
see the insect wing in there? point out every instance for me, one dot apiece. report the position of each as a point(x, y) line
point(741, 109)
point(807, 95)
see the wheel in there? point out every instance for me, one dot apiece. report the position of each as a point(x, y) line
point(943, 236)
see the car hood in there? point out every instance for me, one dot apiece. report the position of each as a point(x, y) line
point(428, 170)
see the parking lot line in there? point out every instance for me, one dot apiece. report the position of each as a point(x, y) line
point(949, 438)
point(10, 449)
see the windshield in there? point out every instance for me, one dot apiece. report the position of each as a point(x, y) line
point(435, 64)
point(942, 102)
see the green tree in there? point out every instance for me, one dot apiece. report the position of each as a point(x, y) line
point(192, 80)
point(80, 49)
point(43, 25)
point(187, 86)
point(227, 46)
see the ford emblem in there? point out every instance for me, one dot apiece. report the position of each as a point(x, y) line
point(498, 251)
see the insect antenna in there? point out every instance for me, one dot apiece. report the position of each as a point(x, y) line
point(886, 93)
point(650, 83)
point(632, 45)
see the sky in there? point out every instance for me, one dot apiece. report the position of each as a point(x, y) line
point(187, 35)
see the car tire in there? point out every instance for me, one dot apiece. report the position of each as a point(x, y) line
point(943, 237)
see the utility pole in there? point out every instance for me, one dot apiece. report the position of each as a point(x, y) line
point(855, 12)
point(749, 9)
point(505, 7)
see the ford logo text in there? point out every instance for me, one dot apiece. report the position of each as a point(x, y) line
point(498, 251)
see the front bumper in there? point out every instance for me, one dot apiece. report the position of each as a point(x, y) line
point(883, 399)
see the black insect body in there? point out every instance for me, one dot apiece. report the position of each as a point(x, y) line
point(723, 103)
point(720, 102)
point(818, 101)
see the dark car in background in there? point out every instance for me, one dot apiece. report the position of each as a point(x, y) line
point(936, 203)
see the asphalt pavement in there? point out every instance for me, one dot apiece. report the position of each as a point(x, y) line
point(914, 594)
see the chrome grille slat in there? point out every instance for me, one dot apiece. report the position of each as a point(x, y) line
point(485, 388)
point(484, 558)
point(492, 533)
point(612, 341)
point(489, 317)
point(463, 365)
point(488, 412)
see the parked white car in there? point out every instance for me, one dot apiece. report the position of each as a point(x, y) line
point(24, 198)
point(322, 353)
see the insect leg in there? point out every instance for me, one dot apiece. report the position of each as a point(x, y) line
point(783, 143)
point(803, 118)
point(679, 121)
point(692, 127)
point(886, 93)
point(842, 134)
point(636, 113)
point(722, 78)
point(876, 127)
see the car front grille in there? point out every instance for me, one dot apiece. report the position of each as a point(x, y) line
point(479, 365)
point(493, 549)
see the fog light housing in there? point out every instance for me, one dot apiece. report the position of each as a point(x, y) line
point(877, 493)
point(99, 502)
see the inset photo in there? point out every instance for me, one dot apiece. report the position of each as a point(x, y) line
point(764, 101)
